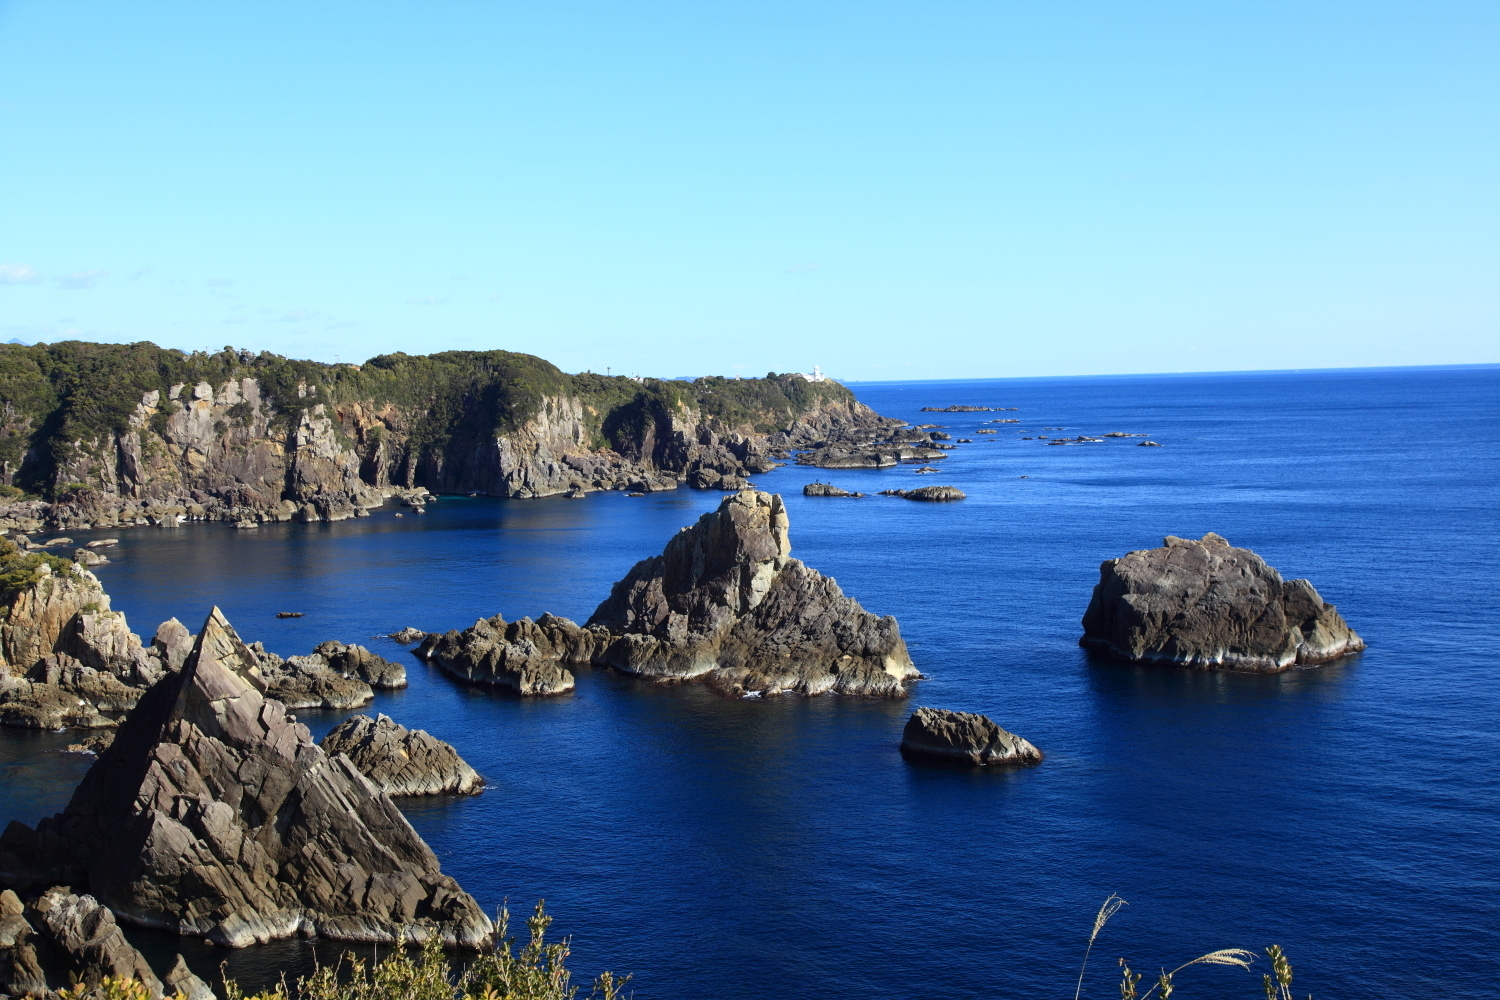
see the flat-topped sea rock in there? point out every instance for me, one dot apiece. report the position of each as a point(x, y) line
point(1204, 603)
point(965, 738)
point(401, 761)
point(214, 814)
point(726, 603)
point(928, 493)
point(826, 490)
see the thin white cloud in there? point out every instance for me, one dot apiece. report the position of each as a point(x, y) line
point(138, 273)
point(219, 282)
point(18, 274)
point(340, 326)
point(299, 315)
point(238, 319)
point(802, 268)
point(428, 300)
point(82, 279)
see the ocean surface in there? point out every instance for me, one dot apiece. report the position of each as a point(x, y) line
point(729, 849)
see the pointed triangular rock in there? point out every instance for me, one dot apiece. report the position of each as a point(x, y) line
point(214, 814)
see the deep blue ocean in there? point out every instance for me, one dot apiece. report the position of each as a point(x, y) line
point(783, 848)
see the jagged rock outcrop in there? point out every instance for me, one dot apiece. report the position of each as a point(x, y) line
point(63, 937)
point(407, 634)
point(726, 603)
point(248, 439)
point(930, 493)
point(1203, 603)
point(965, 737)
point(360, 664)
point(66, 659)
point(309, 682)
point(214, 814)
point(525, 656)
point(401, 761)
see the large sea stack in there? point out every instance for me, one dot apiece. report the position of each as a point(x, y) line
point(213, 814)
point(726, 602)
point(1203, 603)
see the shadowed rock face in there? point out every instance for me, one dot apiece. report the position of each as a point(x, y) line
point(726, 603)
point(964, 737)
point(213, 814)
point(60, 938)
point(1203, 603)
point(401, 761)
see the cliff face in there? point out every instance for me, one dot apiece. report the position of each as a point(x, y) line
point(109, 435)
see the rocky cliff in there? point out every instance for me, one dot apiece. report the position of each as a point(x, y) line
point(1204, 603)
point(105, 435)
point(213, 814)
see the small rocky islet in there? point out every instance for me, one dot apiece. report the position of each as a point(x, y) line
point(1203, 603)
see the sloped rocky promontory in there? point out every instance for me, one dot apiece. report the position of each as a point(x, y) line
point(964, 737)
point(1203, 603)
point(401, 761)
point(213, 814)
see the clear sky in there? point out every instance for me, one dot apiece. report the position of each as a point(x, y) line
point(926, 189)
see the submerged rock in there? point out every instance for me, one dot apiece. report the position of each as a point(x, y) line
point(401, 761)
point(1203, 603)
point(215, 815)
point(964, 736)
point(726, 603)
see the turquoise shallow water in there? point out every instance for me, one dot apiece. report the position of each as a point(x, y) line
point(732, 849)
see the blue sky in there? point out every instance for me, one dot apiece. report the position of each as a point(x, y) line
point(890, 190)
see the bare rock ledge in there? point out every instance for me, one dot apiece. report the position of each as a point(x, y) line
point(401, 761)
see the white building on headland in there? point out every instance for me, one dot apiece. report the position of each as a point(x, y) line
point(816, 376)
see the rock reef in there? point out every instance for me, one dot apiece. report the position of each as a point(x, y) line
point(401, 761)
point(1205, 604)
point(930, 493)
point(213, 814)
point(964, 737)
point(525, 656)
point(826, 490)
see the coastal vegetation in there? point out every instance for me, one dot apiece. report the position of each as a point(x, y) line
point(58, 398)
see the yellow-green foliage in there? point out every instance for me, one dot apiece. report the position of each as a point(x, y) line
point(20, 570)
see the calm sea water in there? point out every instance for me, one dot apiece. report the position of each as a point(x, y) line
point(739, 849)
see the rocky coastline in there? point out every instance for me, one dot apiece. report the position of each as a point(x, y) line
point(251, 439)
point(1205, 604)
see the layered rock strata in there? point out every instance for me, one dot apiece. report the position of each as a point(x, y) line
point(1203, 603)
point(964, 737)
point(213, 814)
point(63, 938)
point(401, 761)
